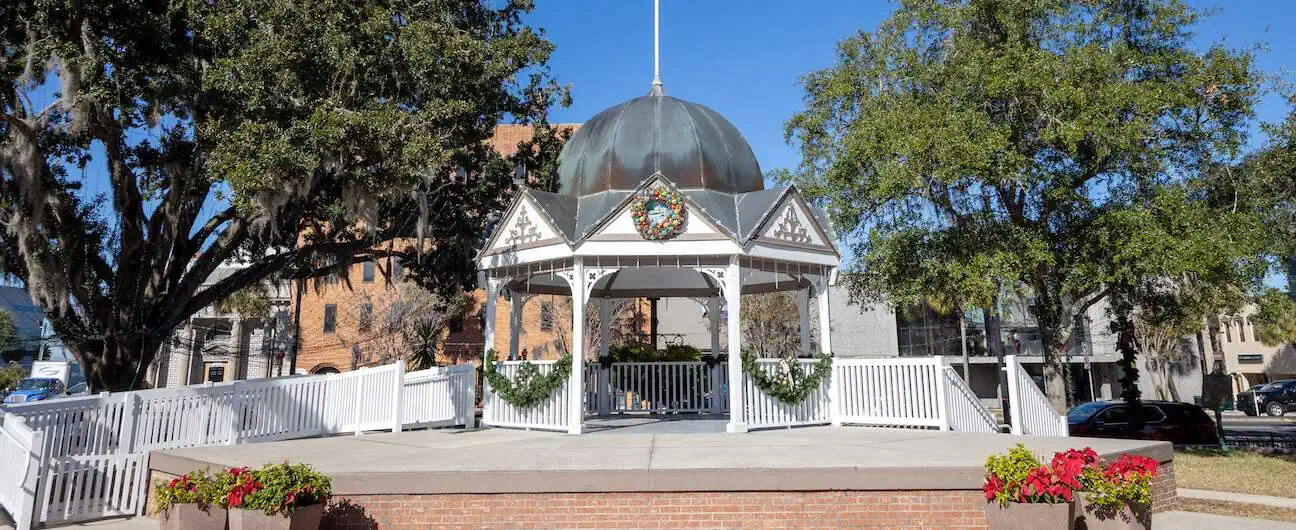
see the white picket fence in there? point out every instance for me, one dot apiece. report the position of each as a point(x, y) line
point(550, 415)
point(895, 392)
point(762, 411)
point(966, 414)
point(90, 452)
point(1030, 411)
point(19, 469)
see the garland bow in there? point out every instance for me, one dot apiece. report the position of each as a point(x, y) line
point(790, 383)
point(529, 388)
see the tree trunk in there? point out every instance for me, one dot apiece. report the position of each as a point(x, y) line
point(967, 373)
point(1123, 327)
point(115, 364)
point(994, 343)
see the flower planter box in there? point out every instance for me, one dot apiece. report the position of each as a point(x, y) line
point(192, 517)
point(301, 518)
point(1028, 516)
point(1090, 517)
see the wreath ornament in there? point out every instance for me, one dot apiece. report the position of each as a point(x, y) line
point(658, 214)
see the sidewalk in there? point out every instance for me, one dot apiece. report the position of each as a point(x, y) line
point(1206, 521)
point(1227, 496)
point(1176, 520)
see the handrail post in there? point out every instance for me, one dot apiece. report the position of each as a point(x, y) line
point(942, 404)
point(398, 399)
point(236, 414)
point(1014, 394)
point(26, 518)
point(131, 404)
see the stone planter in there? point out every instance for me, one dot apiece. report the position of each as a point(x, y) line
point(1027, 516)
point(300, 518)
point(192, 517)
point(1090, 517)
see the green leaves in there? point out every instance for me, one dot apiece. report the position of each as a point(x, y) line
point(529, 388)
point(1050, 147)
point(789, 383)
point(1275, 318)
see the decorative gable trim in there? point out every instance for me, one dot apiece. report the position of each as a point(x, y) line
point(524, 233)
point(790, 223)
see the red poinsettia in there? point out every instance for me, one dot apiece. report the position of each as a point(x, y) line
point(1131, 467)
point(993, 485)
point(245, 484)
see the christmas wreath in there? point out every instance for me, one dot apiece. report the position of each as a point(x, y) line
point(529, 388)
point(789, 383)
point(667, 227)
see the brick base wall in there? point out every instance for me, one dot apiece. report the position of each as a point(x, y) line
point(796, 509)
point(670, 510)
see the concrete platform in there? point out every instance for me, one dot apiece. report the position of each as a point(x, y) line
point(504, 461)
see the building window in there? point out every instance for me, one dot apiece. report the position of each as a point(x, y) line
point(546, 316)
point(398, 269)
point(330, 318)
point(456, 325)
point(1241, 330)
point(1250, 359)
point(368, 272)
point(1228, 331)
point(366, 317)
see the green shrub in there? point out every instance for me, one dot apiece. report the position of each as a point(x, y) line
point(10, 375)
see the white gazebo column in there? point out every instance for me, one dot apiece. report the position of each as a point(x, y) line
point(605, 315)
point(825, 346)
point(488, 319)
point(825, 323)
point(713, 313)
point(516, 302)
point(803, 310)
point(733, 299)
point(576, 410)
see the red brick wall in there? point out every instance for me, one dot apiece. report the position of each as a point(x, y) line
point(796, 509)
point(1165, 497)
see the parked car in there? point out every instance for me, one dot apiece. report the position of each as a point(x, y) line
point(1171, 421)
point(35, 389)
point(1274, 399)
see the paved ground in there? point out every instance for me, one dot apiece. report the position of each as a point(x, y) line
point(1265, 500)
point(623, 459)
point(1169, 520)
point(1206, 521)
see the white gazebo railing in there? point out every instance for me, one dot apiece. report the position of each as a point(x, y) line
point(658, 387)
point(1030, 411)
point(550, 415)
point(763, 411)
point(87, 454)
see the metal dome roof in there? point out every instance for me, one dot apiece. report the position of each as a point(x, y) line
point(691, 145)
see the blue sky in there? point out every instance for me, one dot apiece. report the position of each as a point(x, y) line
point(743, 59)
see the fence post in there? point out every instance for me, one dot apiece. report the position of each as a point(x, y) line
point(942, 401)
point(236, 414)
point(207, 394)
point(27, 517)
point(1014, 394)
point(131, 404)
point(834, 395)
point(359, 399)
point(469, 381)
point(602, 381)
point(399, 399)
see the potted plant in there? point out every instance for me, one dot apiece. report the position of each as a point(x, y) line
point(1022, 493)
point(1116, 496)
point(190, 502)
point(276, 497)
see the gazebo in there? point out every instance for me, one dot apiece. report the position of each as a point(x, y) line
point(658, 197)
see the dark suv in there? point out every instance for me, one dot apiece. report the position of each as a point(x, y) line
point(1274, 399)
point(1171, 421)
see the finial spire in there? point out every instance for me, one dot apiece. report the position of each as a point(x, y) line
point(657, 88)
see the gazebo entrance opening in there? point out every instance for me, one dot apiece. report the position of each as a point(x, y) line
point(596, 286)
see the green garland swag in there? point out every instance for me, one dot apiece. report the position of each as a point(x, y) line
point(529, 388)
point(790, 383)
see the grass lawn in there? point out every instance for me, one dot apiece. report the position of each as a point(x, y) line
point(1237, 509)
point(1237, 471)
